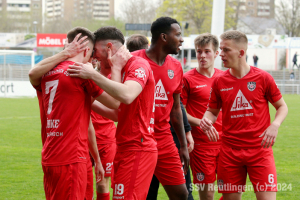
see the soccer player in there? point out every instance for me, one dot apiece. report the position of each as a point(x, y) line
point(166, 39)
point(137, 42)
point(136, 155)
point(106, 141)
point(195, 96)
point(67, 104)
point(243, 93)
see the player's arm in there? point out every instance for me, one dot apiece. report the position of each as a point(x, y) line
point(105, 111)
point(271, 132)
point(187, 129)
point(206, 124)
point(193, 121)
point(125, 93)
point(177, 122)
point(72, 49)
point(99, 171)
point(117, 62)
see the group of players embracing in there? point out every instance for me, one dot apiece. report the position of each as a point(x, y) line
point(232, 134)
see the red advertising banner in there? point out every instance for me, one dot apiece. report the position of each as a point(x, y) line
point(50, 40)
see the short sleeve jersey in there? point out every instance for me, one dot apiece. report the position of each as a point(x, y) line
point(42, 113)
point(67, 104)
point(245, 107)
point(195, 95)
point(168, 78)
point(105, 129)
point(136, 120)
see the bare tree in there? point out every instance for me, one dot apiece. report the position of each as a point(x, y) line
point(139, 11)
point(288, 15)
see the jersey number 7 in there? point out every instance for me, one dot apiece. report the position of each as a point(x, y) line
point(49, 85)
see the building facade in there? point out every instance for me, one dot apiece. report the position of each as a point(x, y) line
point(254, 8)
point(78, 9)
point(21, 15)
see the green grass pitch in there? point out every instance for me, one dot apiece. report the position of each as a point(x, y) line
point(21, 175)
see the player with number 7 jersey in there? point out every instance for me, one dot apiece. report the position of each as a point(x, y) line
point(66, 105)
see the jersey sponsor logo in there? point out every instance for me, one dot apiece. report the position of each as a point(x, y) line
point(140, 73)
point(226, 89)
point(201, 86)
point(200, 176)
point(251, 86)
point(160, 92)
point(240, 102)
point(170, 73)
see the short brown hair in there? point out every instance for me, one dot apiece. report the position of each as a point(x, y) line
point(84, 32)
point(206, 38)
point(237, 36)
point(137, 42)
point(109, 33)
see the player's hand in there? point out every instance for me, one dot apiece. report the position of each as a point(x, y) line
point(185, 158)
point(76, 46)
point(269, 135)
point(205, 124)
point(212, 134)
point(190, 141)
point(81, 70)
point(99, 172)
point(119, 59)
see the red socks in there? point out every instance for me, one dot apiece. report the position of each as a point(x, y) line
point(221, 198)
point(103, 196)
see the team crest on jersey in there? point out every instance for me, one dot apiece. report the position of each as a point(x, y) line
point(140, 73)
point(200, 176)
point(170, 73)
point(251, 86)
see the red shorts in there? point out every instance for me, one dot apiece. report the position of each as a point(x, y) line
point(204, 164)
point(107, 154)
point(133, 174)
point(234, 164)
point(169, 169)
point(90, 182)
point(65, 181)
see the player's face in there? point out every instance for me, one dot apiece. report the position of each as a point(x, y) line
point(206, 56)
point(174, 39)
point(100, 53)
point(229, 53)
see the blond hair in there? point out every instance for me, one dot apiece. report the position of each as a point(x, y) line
point(206, 38)
point(237, 36)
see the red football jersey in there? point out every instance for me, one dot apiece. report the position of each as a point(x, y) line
point(136, 120)
point(67, 104)
point(43, 116)
point(245, 107)
point(195, 95)
point(105, 129)
point(168, 78)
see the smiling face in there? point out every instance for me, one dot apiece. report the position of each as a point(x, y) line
point(230, 53)
point(206, 56)
point(174, 39)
